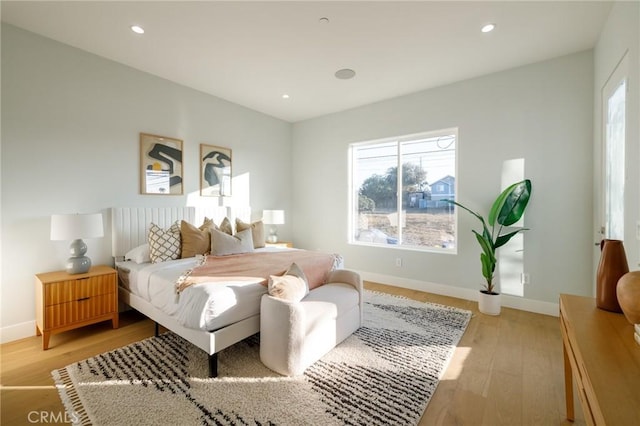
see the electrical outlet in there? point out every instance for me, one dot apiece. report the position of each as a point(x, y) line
point(525, 278)
point(398, 262)
point(638, 230)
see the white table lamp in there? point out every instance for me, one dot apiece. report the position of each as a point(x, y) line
point(273, 218)
point(75, 227)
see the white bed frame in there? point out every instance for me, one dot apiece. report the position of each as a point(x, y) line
point(129, 229)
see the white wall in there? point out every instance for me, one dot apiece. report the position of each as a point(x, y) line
point(541, 112)
point(70, 124)
point(70, 143)
point(621, 34)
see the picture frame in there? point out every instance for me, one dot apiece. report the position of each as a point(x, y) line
point(161, 171)
point(215, 171)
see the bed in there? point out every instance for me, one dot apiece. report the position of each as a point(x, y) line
point(211, 315)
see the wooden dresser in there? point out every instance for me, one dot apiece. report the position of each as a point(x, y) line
point(65, 302)
point(602, 355)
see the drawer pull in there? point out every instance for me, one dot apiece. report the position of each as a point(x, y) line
point(83, 298)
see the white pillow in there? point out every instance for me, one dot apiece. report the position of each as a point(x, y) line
point(164, 245)
point(257, 231)
point(297, 271)
point(287, 287)
point(291, 286)
point(140, 254)
point(223, 244)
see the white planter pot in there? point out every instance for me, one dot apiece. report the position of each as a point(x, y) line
point(489, 303)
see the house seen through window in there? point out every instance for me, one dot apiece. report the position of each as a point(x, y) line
point(397, 190)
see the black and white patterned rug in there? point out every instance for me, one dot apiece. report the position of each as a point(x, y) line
point(384, 374)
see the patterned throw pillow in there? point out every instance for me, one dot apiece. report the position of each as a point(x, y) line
point(164, 245)
point(257, 231)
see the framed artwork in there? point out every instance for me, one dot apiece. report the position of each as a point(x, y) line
point(160, 165)
point(215, 171)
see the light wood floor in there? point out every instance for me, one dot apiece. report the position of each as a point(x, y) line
point(507, 370)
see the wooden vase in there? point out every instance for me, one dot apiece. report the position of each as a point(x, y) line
point(613, 265)
point(629, 296)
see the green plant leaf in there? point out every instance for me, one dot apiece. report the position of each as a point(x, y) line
point(467, 209)
point(486, 245)
point(487, 268)
point(510, 204)
point(496, 207)
point(487, 235)
point(504, 239)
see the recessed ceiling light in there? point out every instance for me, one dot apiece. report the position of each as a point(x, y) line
point(324, 20)
point(285, 96)
point(345, 74)
point(488, 28)
point(137, 29)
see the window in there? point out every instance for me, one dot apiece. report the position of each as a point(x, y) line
point(397, 190)
point(614, 160)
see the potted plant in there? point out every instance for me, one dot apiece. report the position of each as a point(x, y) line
point(506, 210)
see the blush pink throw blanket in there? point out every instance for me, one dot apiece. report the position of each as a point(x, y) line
point(259, 266)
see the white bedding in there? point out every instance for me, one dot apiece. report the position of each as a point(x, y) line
point(206, 306)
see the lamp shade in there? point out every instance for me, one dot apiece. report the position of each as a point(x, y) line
point(273, 217)
point(76, 226)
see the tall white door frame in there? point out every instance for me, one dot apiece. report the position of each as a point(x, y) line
point(611, 176)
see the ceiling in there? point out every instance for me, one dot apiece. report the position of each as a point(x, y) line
point(251, 53)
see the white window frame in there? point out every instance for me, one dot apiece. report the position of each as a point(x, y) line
point(353, 192)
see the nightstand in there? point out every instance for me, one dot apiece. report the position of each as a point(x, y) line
point(287, 244)
point(65, 301)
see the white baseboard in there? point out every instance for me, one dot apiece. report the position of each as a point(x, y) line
point(17, 331)
point(529, 305)
point(27, 329)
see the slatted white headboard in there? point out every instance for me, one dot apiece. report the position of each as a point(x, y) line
point(130, 225)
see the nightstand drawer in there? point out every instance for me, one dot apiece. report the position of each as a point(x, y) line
point(64, 314)
point(68, 291)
